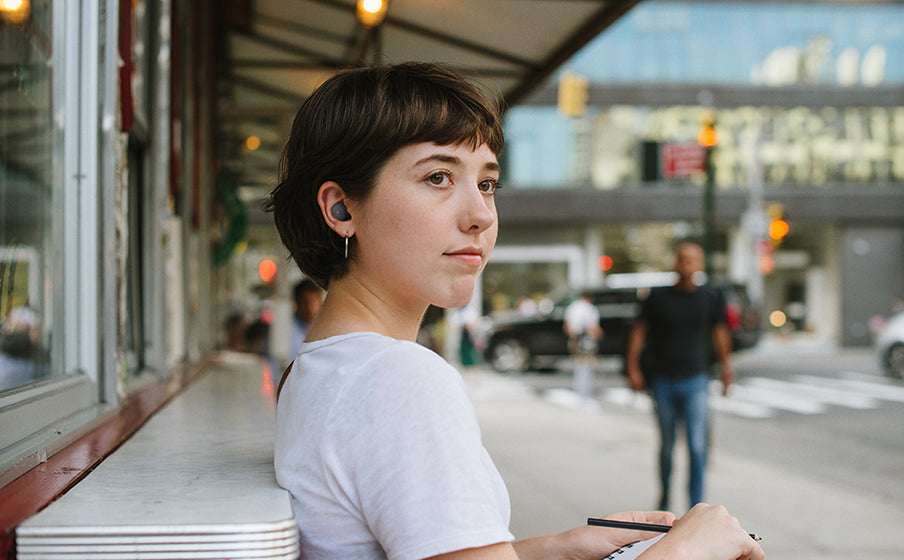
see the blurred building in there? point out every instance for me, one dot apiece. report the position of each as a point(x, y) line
point(605, 172)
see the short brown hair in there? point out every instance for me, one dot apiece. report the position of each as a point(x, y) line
point(346, 132)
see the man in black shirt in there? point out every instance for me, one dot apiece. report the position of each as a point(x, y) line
point(669, 353)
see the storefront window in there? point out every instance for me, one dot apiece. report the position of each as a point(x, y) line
point(27, 164)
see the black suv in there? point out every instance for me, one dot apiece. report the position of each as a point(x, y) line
point(518, 343)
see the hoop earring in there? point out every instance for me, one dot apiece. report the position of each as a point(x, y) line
point(346, 245)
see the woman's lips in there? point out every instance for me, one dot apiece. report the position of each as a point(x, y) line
point(471, 256)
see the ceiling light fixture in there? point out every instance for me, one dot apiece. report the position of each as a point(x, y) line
point(371, 13)
point(14, 11)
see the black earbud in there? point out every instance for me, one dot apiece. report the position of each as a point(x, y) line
point(340, 212)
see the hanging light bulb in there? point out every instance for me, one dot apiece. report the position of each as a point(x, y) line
point(372, 12)
point(14, 11)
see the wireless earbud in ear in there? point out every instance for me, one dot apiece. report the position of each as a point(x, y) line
point(340, 212)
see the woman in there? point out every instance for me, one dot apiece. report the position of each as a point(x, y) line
point(387, 202)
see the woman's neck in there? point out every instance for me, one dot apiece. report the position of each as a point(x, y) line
point(347, 309)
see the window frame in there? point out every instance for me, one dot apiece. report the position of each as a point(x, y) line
point(49, 414)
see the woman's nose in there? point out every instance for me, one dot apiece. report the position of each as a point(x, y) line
point(479, 211)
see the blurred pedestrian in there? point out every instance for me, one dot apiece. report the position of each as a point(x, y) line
point(257, 342)
point(526, 306)
point(306, 299)
point(582, 327)
point(234, 327)
point(468, 323)
point(669, 353)
point(386, 199)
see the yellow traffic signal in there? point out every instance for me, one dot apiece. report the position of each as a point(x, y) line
point(778, 229)
point(573, 94)
point(779, 226)
point(708, 137)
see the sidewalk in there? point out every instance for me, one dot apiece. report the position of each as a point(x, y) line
point(563, 464)
point(796, 343)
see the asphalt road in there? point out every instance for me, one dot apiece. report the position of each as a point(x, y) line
point(808, 451)
point(828, 413)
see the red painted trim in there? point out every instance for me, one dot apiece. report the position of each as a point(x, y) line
point(40, 486)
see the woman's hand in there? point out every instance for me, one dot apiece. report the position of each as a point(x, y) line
point(706, 533)
point(593, 543)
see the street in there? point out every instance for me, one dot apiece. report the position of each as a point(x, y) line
point(807, 450)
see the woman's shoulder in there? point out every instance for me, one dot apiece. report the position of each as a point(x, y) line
point(402, 361)
point(373, 347)
point(378, 357)
point(383, 377)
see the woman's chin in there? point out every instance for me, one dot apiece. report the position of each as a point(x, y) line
point(456, 298)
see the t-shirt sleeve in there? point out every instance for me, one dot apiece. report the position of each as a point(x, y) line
point(410, 459)
point(646, 307)
point(720, 311)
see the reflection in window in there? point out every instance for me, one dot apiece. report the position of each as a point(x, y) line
point(26, 192)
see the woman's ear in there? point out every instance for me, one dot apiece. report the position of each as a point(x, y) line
point(333, 206)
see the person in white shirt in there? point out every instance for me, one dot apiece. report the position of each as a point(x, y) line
point(582, 326)
point(386, 200)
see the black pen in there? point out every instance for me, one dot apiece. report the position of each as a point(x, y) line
point(639, 526)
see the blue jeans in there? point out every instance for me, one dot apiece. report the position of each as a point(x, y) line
point(683, 399)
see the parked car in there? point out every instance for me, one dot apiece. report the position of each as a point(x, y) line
point(517, 343)
point(890, 347)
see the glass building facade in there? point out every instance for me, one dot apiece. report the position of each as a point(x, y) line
point(807, 99)
point(820, 50)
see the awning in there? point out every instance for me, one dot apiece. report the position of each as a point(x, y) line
point(278, 51)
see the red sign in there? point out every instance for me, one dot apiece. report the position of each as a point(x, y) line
point(681, 161)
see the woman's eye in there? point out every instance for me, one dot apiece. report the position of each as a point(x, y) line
point(489, 186)
point(438, 178)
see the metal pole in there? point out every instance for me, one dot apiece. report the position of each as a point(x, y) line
point(709, 212)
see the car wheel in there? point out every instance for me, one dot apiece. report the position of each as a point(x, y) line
point(509, 355)
point(894, 360)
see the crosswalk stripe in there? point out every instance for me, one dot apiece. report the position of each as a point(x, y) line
point(641, 401)
point(628, 397)
point(822, 394)
point(775, 399)
point(879, 391)
point(871, 378)
point(761, 397)
point(743, 409)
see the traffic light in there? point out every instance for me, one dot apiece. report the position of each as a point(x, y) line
point(572, 94)
point(779, 226)
point(778, 229)
point(708, 137)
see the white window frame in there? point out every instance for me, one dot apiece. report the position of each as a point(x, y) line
point(44, 416)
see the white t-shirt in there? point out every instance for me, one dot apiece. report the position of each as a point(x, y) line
point(378, 444)
point(581, 316)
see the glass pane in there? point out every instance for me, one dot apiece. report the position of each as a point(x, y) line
point(26, 191)
point(135, 336)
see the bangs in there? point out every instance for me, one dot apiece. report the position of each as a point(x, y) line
point(443, 113)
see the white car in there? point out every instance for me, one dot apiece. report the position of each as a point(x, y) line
point(890, 346)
